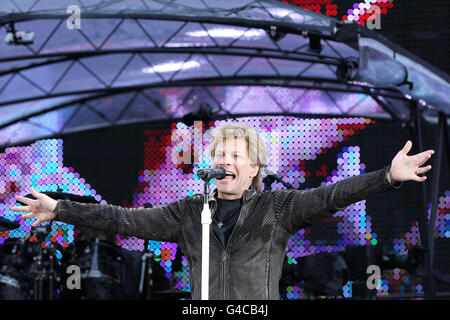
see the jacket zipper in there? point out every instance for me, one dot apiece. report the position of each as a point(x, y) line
point(267, 277)
point(224, 254)
point(224, 261)
point(224, 273)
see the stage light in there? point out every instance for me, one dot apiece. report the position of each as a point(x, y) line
point(19, 38)
point(347, 69)
point(314, 43)
point(275, 34)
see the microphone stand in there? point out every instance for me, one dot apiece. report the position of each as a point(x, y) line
point(40, 268)
point(146, 269)
point(206, 222)
point(94, 271)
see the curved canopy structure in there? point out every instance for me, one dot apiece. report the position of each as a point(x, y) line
point(135, 61)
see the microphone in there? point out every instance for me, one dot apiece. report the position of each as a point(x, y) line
point(207, 174)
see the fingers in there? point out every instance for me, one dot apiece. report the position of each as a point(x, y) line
point(407, 147)
point(423, 157)
point(420, 179)
point(35, 193)
point(36, 223)
point(24, 200)
point(422, 170)
point(27, 216)
point(21, 209)
point(30, 216)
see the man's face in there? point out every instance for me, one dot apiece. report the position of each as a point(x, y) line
point(233, 155)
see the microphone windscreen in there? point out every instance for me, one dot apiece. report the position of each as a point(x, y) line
point(223, 173)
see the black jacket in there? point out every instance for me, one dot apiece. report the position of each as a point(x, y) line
point(250, 266)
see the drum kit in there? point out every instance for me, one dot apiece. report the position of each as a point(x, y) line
point(92, 268)
point(24, 266)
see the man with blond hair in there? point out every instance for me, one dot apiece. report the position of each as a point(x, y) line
point(250, 228)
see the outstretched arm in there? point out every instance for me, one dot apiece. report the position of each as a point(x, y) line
point(298, 209)
point(159, 223)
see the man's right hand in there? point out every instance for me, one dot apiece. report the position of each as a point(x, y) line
point(43, 208)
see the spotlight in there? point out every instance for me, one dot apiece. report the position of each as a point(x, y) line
point(347, 69)
point(314, 43)
point(275, 34)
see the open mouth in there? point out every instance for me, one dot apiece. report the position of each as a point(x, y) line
point(230, 176)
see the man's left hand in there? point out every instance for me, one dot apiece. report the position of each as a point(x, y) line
point(405, 168)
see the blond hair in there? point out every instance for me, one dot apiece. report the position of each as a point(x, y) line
point(255, 144)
